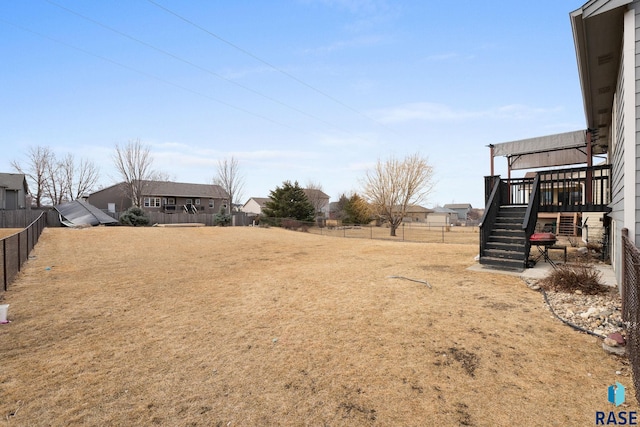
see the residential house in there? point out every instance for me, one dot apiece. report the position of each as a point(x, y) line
point(164, 196)
point(254, 206)
point(14, 191)
point(441, 216)
point(462, 209)
point(319, 200)
point(416, 214)
point(607, 44)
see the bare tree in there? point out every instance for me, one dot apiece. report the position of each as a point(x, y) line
point(314, 193)
point(86, 175)
point(57, 181)
point(392, 186)
point(230, 179)
point(35, 169)
point(79, 178)
point(133, 162)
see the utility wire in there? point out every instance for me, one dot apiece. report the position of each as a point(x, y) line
point(257, 58)
point(192, 64)
point(151, 76)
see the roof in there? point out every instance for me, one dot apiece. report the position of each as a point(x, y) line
point(14, 181)
point(440, 209)
point(179, 189)
point(597, 35)
point(458, 206)
point(550, 150)
point(79, 213)
point(259, 200)
point(417, 209)
point(314, 194)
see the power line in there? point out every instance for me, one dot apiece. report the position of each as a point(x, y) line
point(257, 58)
point(151, 76)
point(192, 64)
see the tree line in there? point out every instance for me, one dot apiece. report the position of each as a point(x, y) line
point(387, 189)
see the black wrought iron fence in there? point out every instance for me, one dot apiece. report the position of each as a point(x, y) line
point(421, 232)
point(631, 304)
point(15, 249)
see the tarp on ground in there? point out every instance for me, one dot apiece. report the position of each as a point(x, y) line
point(79, 213)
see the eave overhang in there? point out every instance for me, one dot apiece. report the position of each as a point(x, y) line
point(597, 33)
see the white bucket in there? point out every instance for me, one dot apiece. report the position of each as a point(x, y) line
point(3, 313)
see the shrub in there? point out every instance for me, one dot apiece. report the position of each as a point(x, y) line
point(221, 218)
point(573, 277)
point(290, 224)
point(134, 216)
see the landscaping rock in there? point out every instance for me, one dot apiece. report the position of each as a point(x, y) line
point(620, 351)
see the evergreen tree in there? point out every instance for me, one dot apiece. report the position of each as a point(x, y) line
point(357, 210)
point(289, 201)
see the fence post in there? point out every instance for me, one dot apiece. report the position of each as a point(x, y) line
point(623, 271)
point(4, 263)
point(19, 252)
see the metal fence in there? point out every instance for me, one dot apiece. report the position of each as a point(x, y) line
point(409, 232)
point(15, 249)
point(631, 304)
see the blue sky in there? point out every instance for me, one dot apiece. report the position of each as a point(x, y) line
point(300, 90)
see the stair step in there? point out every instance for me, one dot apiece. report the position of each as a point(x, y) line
point(508, 232)
point(502, 254)
point(507, 226)
point(513, 240)
point(502, 263)
point(505, 246)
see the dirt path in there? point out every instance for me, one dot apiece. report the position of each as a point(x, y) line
point(253, 327)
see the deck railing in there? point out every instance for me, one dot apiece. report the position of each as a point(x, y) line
point(583, 189)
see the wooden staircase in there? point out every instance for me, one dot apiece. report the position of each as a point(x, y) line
point(567, 224)
point(506, 244)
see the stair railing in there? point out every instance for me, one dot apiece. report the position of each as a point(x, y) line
point(531, 216)
point(490, 214)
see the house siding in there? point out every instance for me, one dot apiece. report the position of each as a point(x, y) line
point(625, 151)
point(617, 160)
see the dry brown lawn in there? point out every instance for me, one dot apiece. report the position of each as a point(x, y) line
point(259, 327)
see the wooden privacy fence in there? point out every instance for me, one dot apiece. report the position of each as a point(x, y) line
point(20, 218)
point(16, 248)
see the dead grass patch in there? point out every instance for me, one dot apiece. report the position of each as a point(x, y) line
point(250, 326)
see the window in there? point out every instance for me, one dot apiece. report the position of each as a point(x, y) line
point(152, 202)
point(198, 202)
point(171, 201)
point(211, 203)
point(189, 202)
